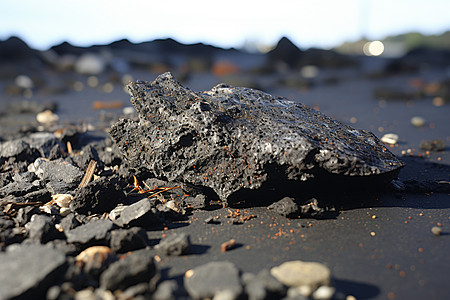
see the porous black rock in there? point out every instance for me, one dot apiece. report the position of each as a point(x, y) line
point(232, 138)
point(98, 196)
point(141, 213)
point(137, 267)
point(175, 244)
point(209, 279)
point(41, 228)
point(69, 222)
point(27, 271)
point(124, 240)
point(95, 231)
point(285, 207)
point(58, 172)
point(263, 286)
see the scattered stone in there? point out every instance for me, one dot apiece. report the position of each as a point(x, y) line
point(69, 222)
point(47, 117)
point(17, 151)
point(41, 228)
point(98, 196)
point(124, 240)
point(90, 64)
point(390, 138)
point(28, 271)
point(436, 230)
point(95, 260)
point(115, 213)
point(324, 293)
point(298, 273)
point(169, 290)
point(263, 286)
point(418, 121)
point(18, 189)
point(207, 280)
point(433, 145)
point(197, 202)
point(133, 292)
point(63, 174)
point(141, 213)
point(95, 231)
point(62, 200)
point(285, 207)
point(24, 215)
point(44, 142)
point(135, 268)
point(85, 156)
point(299, 293)
point(287, 141)
point(175, 244)
point(211, 220)
point(311, 209)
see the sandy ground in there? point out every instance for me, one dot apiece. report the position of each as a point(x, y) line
point(380, 248)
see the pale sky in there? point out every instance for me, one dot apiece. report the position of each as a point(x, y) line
point(227, 23)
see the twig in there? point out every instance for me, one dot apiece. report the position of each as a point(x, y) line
point(89, 172)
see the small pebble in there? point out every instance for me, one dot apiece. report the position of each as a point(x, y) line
point(47, 117)
point(324, 292)
point(433, 145)
point(438, 101)
point(390, 138)
point(436, 230)
point(418, 121)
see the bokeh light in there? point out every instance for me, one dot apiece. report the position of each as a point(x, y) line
point(374, 48)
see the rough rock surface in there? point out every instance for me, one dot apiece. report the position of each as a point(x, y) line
point(175, 244)
point(137, 267)
point(95, 230)
point(232, 138)
point(209, 279)
point(27, 271)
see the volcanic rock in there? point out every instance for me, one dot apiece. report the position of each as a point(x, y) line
point(94, 231)
point(27, 271)
point(169, 289)
point(69, 222)
point(41, 228)
point(141, 213)
point(284, 207)
point(209, 279)
point(263, 286)
point(174, 244)
point(232, 138)
point(58, 173)
point(98, 196)
point(124, 240)
point(135, 268)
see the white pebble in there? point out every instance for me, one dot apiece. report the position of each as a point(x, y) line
point(390, 138)
point(418, 121)
point(24, 81)
point(324, 293)
point(62, 200)
point(47, 117)
point(90, 64)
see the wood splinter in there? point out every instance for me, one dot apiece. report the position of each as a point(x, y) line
point(228, 245)
point(89, 173)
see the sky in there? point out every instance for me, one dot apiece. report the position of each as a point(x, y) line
point(227, 23)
